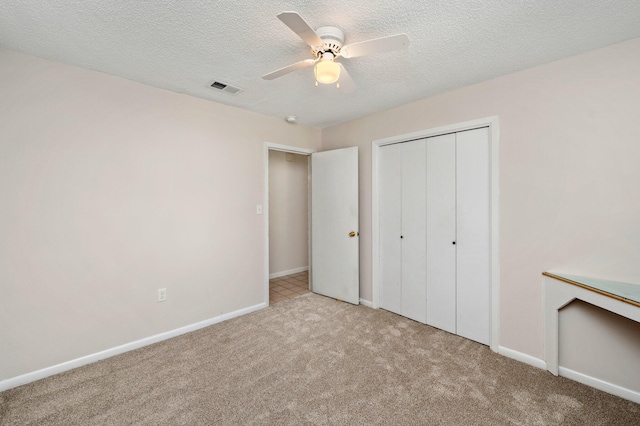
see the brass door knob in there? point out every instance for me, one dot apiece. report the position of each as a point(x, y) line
point(352, 234)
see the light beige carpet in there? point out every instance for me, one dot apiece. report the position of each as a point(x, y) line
point(312, 360)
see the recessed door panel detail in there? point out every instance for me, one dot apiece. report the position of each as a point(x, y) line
point(414, 243)
point(441, 232)
point(391, 228)
point(473, 228)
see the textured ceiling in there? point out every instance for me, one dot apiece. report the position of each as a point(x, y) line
point(184, 45)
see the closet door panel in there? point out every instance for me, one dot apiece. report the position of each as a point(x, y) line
point(441, 232)
point(414, 200)
point(473, 229)
point(390, 199)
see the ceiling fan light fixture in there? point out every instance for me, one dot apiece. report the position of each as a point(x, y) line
point(327, 44)
point(327, 71)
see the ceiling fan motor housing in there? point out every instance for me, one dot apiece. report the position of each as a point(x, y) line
point(333, 39)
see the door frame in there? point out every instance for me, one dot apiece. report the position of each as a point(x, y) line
point(493, 124)
point(268, 146)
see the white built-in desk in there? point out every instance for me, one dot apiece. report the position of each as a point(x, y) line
point(561, 289)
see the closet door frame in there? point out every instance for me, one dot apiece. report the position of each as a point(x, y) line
point(493, 125)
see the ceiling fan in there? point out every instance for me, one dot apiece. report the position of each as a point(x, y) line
point(327, 45)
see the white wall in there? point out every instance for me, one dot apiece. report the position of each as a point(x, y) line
point(288, 212)
point(569, 155)
point(110, 190)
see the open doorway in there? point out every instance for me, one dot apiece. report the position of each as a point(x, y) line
point(332, 240)
point(288, 213)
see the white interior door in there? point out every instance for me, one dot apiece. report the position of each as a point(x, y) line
point(390, 214)
point(334, 224)
point(474, 230)
point(441, 232)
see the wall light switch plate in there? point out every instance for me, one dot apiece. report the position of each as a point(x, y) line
point(259, 209)
point(162, 294)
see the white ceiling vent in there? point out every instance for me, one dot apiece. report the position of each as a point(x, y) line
point(224, 87)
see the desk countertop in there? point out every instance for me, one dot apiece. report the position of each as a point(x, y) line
point(626, 292)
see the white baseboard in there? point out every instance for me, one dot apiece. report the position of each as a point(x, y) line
point(366, 303)
point(289, 272)
point(611, 388)
point(88, 359)
point(625, 393)
point(522, 357)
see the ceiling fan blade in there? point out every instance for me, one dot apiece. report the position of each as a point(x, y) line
point(377, 45)
point(346, 83)
point(300, 27)
point(287, 70)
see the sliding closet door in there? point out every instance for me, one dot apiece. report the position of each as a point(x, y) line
point(414, 242)
point(441, 232)
point(390, 194)
point(473, 229)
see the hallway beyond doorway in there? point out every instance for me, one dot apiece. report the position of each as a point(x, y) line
point(288, 287)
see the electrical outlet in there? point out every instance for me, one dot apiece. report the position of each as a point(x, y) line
point(162, 294)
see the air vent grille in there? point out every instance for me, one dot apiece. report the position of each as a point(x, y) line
point(224, 87)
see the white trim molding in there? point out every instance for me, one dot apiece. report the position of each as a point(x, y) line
point(108, 353)
point(594, 382)
point(611, 388)
point(366, 303)
point(288, 272)
point(494, 133)
point(522, 357)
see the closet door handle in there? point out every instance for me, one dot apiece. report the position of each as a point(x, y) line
point(453, 242)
